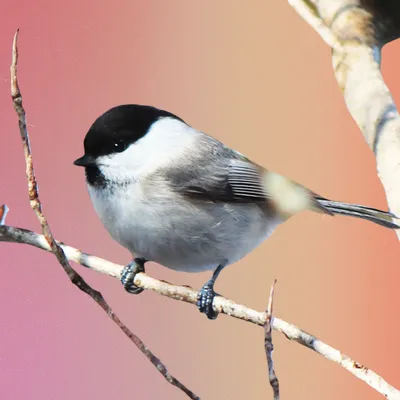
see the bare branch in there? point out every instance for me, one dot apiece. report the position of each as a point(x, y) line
point(221, 304)
point(362, 27)
point(269, 347)
point(52, 244)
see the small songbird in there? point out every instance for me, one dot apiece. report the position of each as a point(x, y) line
point(176, 196)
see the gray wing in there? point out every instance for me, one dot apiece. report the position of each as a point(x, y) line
point(213, 172)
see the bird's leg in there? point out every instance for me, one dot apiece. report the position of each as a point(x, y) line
point(128, 275)
point(207, 294)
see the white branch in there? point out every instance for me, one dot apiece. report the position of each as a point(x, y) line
point(348, 28)
point(221, 304)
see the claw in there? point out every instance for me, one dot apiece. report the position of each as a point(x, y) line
point(205, 301)
point(128, 275)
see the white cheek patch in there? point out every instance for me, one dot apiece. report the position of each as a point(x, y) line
point(121, 166)
point(166, 139)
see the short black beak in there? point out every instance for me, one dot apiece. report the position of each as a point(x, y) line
point(85, 161)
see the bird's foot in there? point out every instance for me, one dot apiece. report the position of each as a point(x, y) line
point(205, 301)
point(128, 275)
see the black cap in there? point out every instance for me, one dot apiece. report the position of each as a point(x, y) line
point(118, 128)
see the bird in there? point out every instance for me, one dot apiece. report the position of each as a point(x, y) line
point(174, 195)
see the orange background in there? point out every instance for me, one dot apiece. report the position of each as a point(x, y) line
point(254, 75)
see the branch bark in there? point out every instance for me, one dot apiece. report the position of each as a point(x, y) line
point(221, 304)
point(356, 30)
point(54, 246)
point(269, 347)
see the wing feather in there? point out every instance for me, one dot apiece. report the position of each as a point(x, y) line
point(237, 181)
point(213, 172)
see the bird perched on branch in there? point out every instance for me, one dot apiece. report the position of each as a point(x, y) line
point(174, 195)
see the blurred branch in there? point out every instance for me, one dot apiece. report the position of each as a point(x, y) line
point(269, 347)
point(54, 246)
point(356, 30)
point(221, 305)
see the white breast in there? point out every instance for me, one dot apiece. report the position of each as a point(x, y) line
point(180, 235)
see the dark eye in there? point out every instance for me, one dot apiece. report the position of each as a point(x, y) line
point(119, 146)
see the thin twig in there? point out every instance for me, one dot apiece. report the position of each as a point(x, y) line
point(56, 249)
point(221, 304)
point(269, 347)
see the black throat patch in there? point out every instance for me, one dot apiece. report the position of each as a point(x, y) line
point(95, 178)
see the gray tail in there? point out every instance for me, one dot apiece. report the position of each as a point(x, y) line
point(379, 217)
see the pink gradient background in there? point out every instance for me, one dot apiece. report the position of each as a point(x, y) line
point(255, 76)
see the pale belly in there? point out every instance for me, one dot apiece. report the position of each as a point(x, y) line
point(190, 238)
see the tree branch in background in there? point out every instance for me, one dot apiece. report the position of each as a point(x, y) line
point(220, 304)
point(54, 247)
point(356, 30)
point(269, 347)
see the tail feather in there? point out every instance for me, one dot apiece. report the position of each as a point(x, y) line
point(379, 217)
